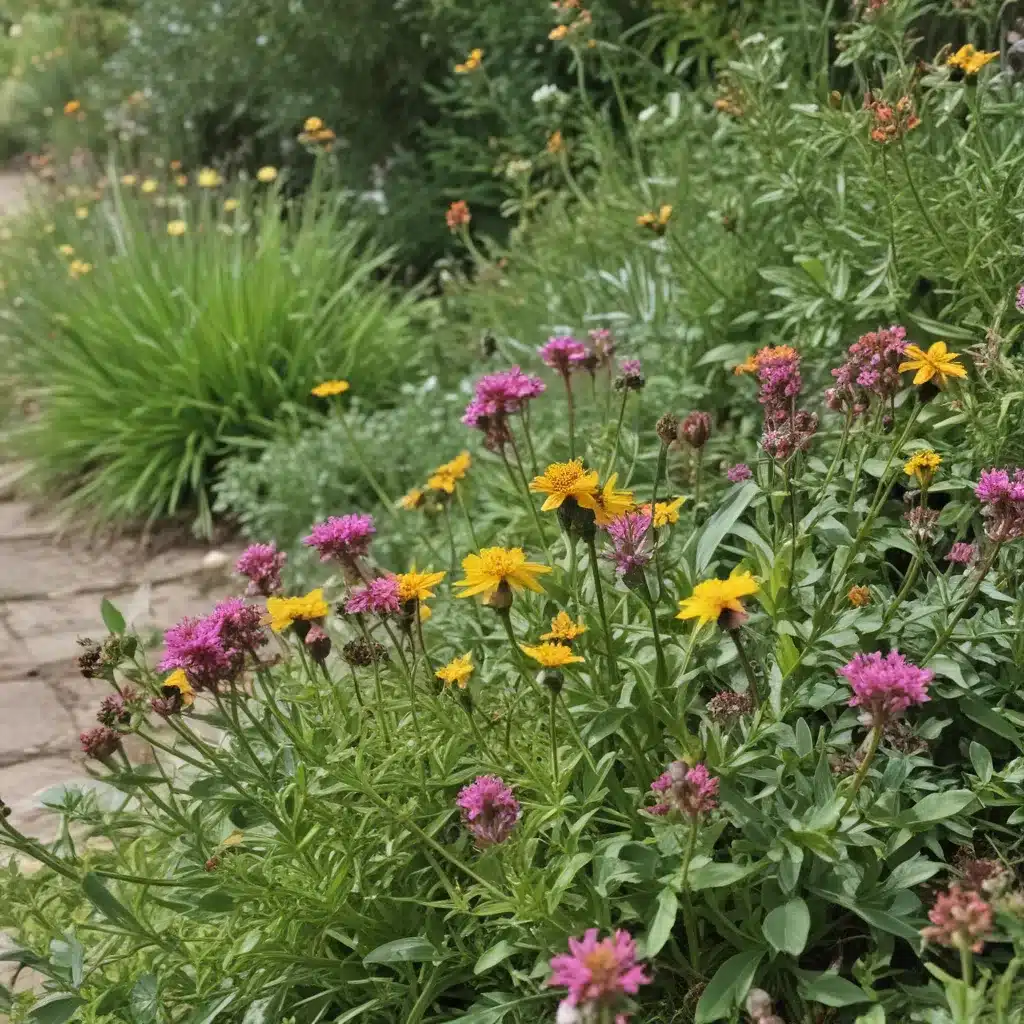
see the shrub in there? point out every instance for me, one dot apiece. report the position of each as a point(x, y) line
point(154, 354)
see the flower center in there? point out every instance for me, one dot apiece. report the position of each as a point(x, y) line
point(500, 563)
point(603, 965)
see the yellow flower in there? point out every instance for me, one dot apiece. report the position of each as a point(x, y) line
point(79, 267)
point(412, 500)
point(330, 387)
point(558, 32)
point(177, 680)
point(209, 178)
point(176, 228)
point(425, 612)
point(473, 61)
point(551, 655)
point(938, 361)
point(72, 107)
point(283, 611)
point(150, 185)
point(657, 222)
point(67, 250)
point(970, 60)
point(610, 503)
point(457, 671)
point(563, 480)
point(181, 180)
point(564, 628)
point(81, 212)
point(712, 597)
point(313, 124)
point(416, 586)
point(666, 512)
point(445, 477)
point(922, 466)
point(859, 596)
point(492, 567)
point(230, 205)
point(266, 174)
point(556, 143)
point(128, 180)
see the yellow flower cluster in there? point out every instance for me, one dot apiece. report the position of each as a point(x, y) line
point(315, 132)
point(564, 480)
point(666, 513)
point(209, 178)
point(444, 479)
point(457, 671)
point(283, 611)
point(922, 466)
point(656, 221)
point(78, 268)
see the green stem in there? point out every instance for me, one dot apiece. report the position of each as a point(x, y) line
point(467, 517)
point(595, 574)
point(862, 455)
point(357, 451)
point(692, 937)
point(688, 257)
point(837, 458)
point(570, 403)
point(747, 667)
point(577, 735)
point(529, 439)
point(908, 582)
point(554, 739)
point(618, 430)
point(528, 495)
point(791, 498)
point(862, 771)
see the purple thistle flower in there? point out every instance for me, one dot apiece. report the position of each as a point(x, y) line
point(1020, 299)
point(379, 596)
point(962, 553)
point(1002, 499)
point(563, 353)
point(738, 473)
point(631, 537)
point(489, 810)
point(343, 537)
point(691, 791)
point(778, 372)
point(261, 564)
point(197, 647)
point(885, 686)
point(241, 628)
point(498, 396)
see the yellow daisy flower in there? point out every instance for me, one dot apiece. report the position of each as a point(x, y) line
point(473, 61)
point(922, 466)
point(313, 124)
point(330, 387)
point(79, 267)
point(177, 680)
point(457, 671)
point(445, 477)
point(209, 178)
point(81, 212)
point(712, 597)
point(938, 362)
point(657, 222)
point(230, 205)
point(970, 60)
point(412, 500)
point(666, 513)
point(150, 185)
point(416, 586)
point(563, 480)
point(551, 655)
point(176, 228)
point(266, 174)
point(72, 107)
point(492, 567)
point(610, 503)
point(283, 611)
point(564, 628)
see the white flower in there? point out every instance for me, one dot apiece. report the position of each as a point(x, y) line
point(567, 1013)
point(15, 31)
point(647, 113)
point(546, 93)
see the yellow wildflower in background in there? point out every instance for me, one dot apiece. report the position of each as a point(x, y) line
point(937, 362)
point(564, 628)
point(665, 512)
point(445, 477)
point(266, 174)
point(412, 500)
point(230, 205)
point(558, 32)
point(72, 107)
point(492, 567)
point(416, 586)
point(712, 597)
point(563, 480)
point(556, 143)
point(81, 212)
point(79, 267)
point(150, 185)
point(457, 671)
point(176, 228)
point(610, 503)
point(67, 250)
point(859, 596)
point(128, 180)
point(330, 387)
point(922, 466)
point(969, 60)
point(209, 178)
point(551, 655)
point(472, 62)
point(283, 611)
point(656, 222)
point(177, 680)
point(313, 124)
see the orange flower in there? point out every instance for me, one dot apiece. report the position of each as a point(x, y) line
point(458, 215)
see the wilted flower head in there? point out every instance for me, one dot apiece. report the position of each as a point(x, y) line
point(738, 473)
point(871, 369)
point(962, 553)
point(261, 564)
point(691, 791)
point(1002, 499)
point(890, 122)
point(100, 743)
point(116, 708)
point(361, 653)
point(921, 522)
point(631, 376)
point(984, 876)
point(631, 539)
point(695, 429)
point(343, 537)
point(379, 596)
point(1020, 299)
point(489, 810)
point(563, 353)
point(598, 973)
point(859, 596)
point(727, 706)
point(783, 438)
point(884, 686)
point(458, 215)
point(960, 919)
point(603, 345)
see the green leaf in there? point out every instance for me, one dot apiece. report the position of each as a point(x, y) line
point(664, 919)
point(937, 807)
point(402, 951)
point(981, 760)
point(495, 955)
point(831, 990)
point(991, 718)
point(876, 1015)
point(941, 330)
point(55, 1009)
point(730, 984)
point(211, 1011)
point(109, 906)
point(145, 999)
point(257, 1011)
point(786, 928)
point(112, 618)
point(721, 523)
point(714, 876)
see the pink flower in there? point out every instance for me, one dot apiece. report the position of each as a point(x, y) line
point(691, 791)
point(489, 810)
point(1020, 299)
point(885, 686)
point(871, 368)
point(738, 473)
point(960, 919)
point(241, 628)
point(100, 743)
point(1002, 499)
point(784, 437)
point(262, 564)
point(962, 553)
point(563, 353)
point(598, 974)
point(196, 646)
point(631, 539)
point(778, 372)
point(343, 537)
point(630, 368)
point(379, 596)
point(498, 396)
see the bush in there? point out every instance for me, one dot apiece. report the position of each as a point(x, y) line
point(154, 355)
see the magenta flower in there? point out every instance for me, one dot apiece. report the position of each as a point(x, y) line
point(778, 372)
point(691, 791)
point(738, 473)
point(563, 353)
point(196, 646)
point(343, 537)
point(631, 368)
point(1002, 499)
point(598, 974)
point(489, 810)
point(498, 396)
point(871, 368)
point(100, 743)
point(885, 686)
point(379, 596)
point(261, 564)
point(241, 628)
point(960, 919)
point(1020, 299)
point(962, 553)
point(631, 539)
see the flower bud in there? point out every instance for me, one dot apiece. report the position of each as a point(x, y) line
point(100, 743)
point(887, 424)
point(552, 679)
point(318, 643)
point(501, 599)
point(667, 428)
point(835, 99)
point(695, 429)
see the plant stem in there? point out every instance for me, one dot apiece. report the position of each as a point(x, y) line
point(908, 582)
point(618, 430)
point(791, 497)
point(528, 495)
point(747, 667)
point(467, 517)
point(692, 938)
point(701, 272)
point(570, 403)
point(862, 771)
point(837, 458)
point(453, 558)
point(357, 451)
point(554, 738)
point(529, 439)
point(599, 590)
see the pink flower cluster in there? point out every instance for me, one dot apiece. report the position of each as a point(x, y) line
point(1020, 299)
point(871, 368)
point(261, 564)
point(379, 596)
point(631, 542)
point(631, 376)
point(345, 538)
point(738, 473)
point(778, 372)
point(962, 553)
point(498, 396)
point(563, 353)
point(783, 438)
point(489, 810)
point(599, 975)
point(691, 791)
point(960, 919)
point(1002, 499)
point(884, 686)
point(100, 743)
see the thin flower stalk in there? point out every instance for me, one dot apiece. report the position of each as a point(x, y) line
point(595, 575)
